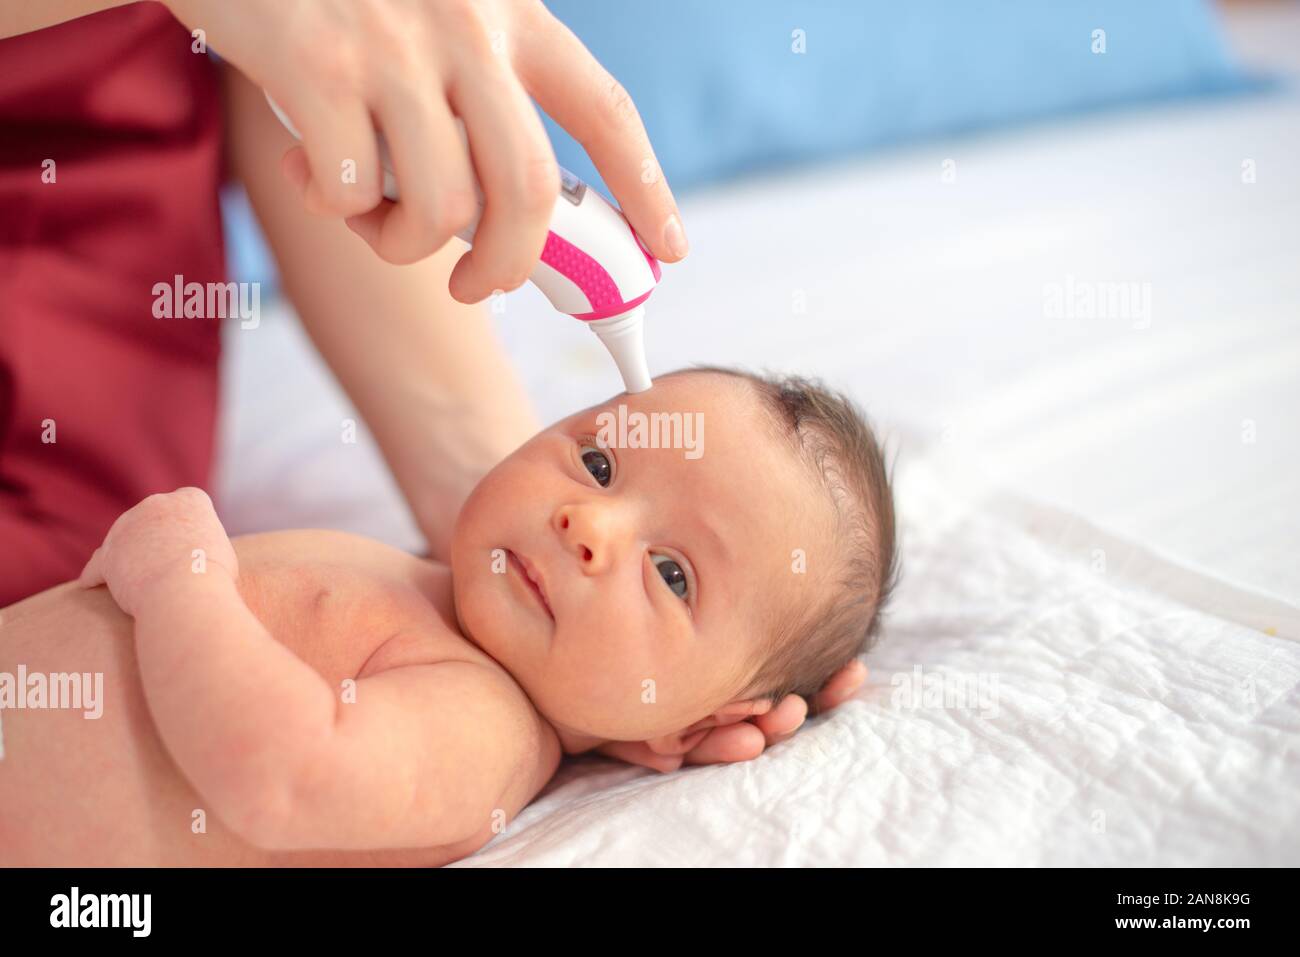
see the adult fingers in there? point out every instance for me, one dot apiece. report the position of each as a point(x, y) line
point(636, 752)
point(783, 720)
point(579, 94)
point(434, 178)
point(520, 181)
point(342, 155)
point(841, 686)
point(727, 745)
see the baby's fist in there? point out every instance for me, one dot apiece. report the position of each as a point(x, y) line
point(160, 539)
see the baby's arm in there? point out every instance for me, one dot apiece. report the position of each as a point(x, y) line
point(422, 758)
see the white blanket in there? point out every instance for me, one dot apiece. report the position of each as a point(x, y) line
point(1099, 515)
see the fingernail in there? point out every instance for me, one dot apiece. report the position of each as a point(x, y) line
point(675, 237)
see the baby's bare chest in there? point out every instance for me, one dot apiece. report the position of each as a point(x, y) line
point(350, 606)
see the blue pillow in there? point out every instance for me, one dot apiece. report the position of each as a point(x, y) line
point(722, 90)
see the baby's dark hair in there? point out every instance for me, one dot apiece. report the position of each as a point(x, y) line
point(813, 641)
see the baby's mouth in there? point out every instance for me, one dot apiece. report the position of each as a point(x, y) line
point(532, 579)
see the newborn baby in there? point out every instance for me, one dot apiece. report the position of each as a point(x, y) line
point(314, 697)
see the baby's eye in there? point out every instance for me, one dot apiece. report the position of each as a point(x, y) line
point(597, 463)
point(672, 574)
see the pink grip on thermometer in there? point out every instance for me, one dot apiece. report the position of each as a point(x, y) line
point(593, 267)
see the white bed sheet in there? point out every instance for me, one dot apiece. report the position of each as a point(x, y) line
point(1099, 515)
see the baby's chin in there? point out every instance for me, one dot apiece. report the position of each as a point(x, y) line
point(564, 704)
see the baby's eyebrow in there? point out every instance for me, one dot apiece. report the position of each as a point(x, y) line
point(719, 545)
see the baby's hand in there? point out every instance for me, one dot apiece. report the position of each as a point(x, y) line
point(163, 537)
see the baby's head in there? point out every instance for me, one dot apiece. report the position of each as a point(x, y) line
point(749, 559)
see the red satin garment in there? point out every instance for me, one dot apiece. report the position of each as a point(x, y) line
point(131, 118)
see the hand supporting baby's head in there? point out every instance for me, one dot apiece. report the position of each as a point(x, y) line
point(647, 562)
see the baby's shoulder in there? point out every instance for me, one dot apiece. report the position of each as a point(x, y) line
point(475, 699)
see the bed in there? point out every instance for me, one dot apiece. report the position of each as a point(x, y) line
point(1094, 652)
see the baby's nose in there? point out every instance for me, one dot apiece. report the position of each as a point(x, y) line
point(592, 533)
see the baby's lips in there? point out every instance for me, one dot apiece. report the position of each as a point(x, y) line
point(534, 576)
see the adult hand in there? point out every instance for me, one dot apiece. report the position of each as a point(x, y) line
point(740, 738)
point(341, 68)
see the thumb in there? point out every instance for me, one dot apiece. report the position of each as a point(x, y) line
point(679, 743)
point(93, 575)
point(297, 170)
point(636, 752)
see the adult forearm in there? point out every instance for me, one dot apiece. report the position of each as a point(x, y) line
point(24, 16)
point(426, 372)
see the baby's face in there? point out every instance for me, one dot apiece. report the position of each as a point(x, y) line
point(660, 569)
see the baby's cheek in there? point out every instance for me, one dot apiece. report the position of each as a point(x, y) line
point(486, 497)
point(653, 678)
